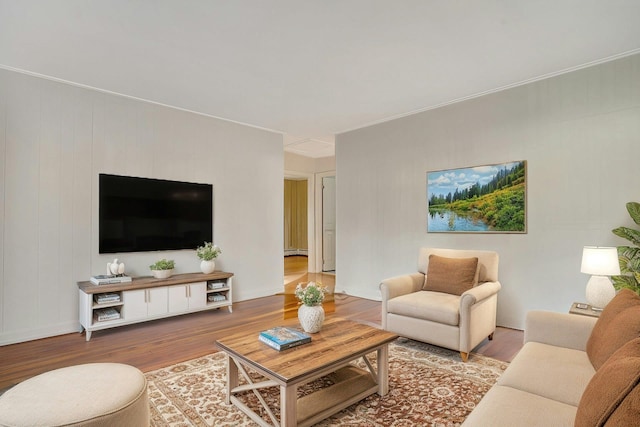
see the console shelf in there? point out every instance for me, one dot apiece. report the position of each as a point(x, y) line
point(148, 298)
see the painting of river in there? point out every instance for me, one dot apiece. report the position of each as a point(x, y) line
point(480, 199)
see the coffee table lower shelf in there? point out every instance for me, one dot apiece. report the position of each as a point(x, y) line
point(350, 385)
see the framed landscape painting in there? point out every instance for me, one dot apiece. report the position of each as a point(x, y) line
point(480, 199)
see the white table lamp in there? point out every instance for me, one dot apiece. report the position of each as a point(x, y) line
point(600, 262)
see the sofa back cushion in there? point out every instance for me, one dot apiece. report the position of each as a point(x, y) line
point(618, 324)
point(451, 275)
point(487, 261)
point(613, 394)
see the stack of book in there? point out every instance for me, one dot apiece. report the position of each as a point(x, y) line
point(105, 314)
point(107, 298)
point(216, 285)
point(216, 297)
point(282, 338)
point(108, 279)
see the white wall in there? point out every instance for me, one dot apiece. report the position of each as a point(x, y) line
point(580, 136)
point(54, 141)
point(295, 162)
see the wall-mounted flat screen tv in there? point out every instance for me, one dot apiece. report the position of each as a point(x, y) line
point(142, 214)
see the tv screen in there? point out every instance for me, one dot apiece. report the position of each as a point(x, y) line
point(142, 214)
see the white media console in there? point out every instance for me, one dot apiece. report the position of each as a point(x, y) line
point(148, 298)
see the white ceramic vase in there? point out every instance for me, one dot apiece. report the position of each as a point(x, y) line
point(311, 317)
point(207, 266)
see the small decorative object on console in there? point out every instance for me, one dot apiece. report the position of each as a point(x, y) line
point(115, 268)
point(108, 279)
point(207, 253)
point(162, 269)
point(282, 338)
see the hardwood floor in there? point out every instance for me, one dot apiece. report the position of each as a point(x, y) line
point(160, 343)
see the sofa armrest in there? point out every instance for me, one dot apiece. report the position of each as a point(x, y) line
point(478, 293)
point(559, 329)
point(401, 285)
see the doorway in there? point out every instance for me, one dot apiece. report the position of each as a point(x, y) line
point(296, 217)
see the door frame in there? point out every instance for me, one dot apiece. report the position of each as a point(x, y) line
point(318, 215)
point(311, 212)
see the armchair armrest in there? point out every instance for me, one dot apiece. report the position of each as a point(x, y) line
point(477, 294)
point(401, 285)
point(559, 329)
point(396, 286)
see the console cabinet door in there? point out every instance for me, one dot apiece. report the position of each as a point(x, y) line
point(192, 296)
point(135, 304)
point(157, 301)
point(197, 295)
point(143, 303)
point(178, 298)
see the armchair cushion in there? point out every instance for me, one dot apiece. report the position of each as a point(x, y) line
point(613, 394)
point(434, 306)
point(451, 275)
point(618, 324)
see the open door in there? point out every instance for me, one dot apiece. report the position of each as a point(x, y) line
point(329, 223)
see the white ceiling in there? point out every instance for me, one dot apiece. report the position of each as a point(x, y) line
point(311, 69)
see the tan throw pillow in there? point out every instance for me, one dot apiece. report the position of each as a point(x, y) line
point(451, 275)
point(618, 324)
point(613, 394)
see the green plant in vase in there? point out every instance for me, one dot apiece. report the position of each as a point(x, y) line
point(311, 312)
point(207, 253)
point(629, 256)
point(163, 268)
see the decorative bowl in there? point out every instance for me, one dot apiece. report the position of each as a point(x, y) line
point(162, 274)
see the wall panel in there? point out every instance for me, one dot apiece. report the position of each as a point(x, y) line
point(579, 133)
point(55, 139)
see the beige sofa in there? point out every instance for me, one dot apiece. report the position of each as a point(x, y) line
point(439, 305)
point(553, 380)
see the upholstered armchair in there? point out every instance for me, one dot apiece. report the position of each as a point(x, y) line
point(450, 302)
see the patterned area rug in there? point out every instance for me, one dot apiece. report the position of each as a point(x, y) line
point(428, 385)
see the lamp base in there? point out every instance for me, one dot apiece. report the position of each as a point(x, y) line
point(599, 292)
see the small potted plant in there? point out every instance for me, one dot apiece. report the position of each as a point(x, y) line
point(162, 269)
point(207, 253)
point(311, 312)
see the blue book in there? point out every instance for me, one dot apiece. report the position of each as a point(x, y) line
point(282, 338)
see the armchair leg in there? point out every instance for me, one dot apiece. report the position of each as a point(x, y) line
point(464, 356)
point(491, 337)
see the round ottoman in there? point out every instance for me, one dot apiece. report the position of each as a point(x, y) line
point(95, 394)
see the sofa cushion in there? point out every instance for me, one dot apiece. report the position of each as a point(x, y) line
point(435, 306)
point(618, 324)
point(556, 373)
point(508, 407)
point(451, 275)
point(614, 391)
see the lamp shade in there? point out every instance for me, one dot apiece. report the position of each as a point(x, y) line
point(600, 261)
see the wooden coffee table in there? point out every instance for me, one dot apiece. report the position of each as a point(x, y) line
point(330, 352)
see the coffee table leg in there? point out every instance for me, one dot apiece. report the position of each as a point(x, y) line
point(288, 402)
point(383, 370)
point(232, 377)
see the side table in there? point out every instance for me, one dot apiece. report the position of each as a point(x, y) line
point(584, 309)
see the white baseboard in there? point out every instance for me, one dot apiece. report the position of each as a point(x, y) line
point(35, 334)
point(293, 252)
point(373, 295)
